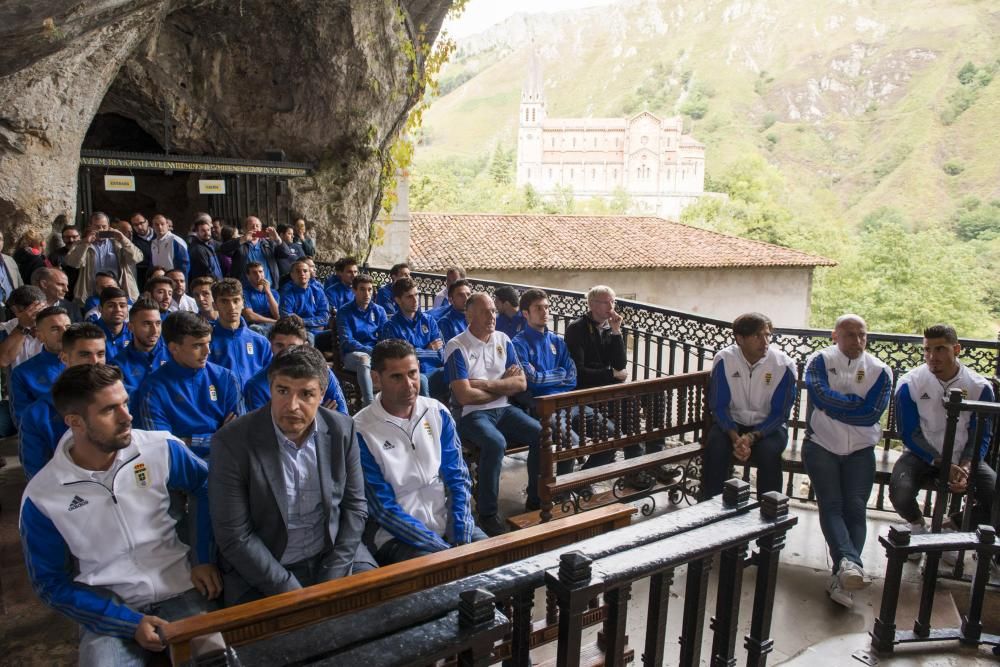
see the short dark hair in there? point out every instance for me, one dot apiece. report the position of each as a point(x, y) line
point(289, 325)
point(105, 274)
point(281, 229)
point(461, 282)
point(945, 331)
point(109, 293)
point(51, 311)
point(184, 323)
point(750, 323)
point(201, 219)
point(392, 348)
point(228, 233)
point(159, 280)
point(402, 286)
point(396, 268)
point(141, 304)
point(343, 263)
point(507, 294)
point(300, 260)
point(75, 387)
point(227, 287)
point(253, 265)
point(81, 331)
point(176, 270)
point(201, 280)
point(25, 295)
point(530, 296)
point(361, 279)
point(300, 362)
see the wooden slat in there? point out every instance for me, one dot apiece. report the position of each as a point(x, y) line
point(287, 611)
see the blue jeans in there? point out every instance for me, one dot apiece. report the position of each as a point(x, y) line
point(100, 650)
point(490, 430)
point(361, 363)
point(765, 454)
point(842, 485)
point(395, 551)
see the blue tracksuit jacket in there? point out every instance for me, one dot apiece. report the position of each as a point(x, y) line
point(242, 351)
point(41, 428)
point(309, 303)
point(337, 293)
point(358, 329)
point(114, 344)
point(545, 359)
point(257, 301)
point(451, 323)
point(419, 332)
point(32, 379)
point(383, 297)
point(136, 364)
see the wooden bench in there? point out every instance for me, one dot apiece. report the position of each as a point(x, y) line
point(280, 613)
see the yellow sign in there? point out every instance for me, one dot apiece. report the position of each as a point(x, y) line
point(211, 187)
point(119, 183)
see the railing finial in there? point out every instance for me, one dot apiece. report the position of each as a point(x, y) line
point(986, 534)
point(899, 534)
point(773, 505)
point(574, 568)
point(735, 493)
point(475, 608)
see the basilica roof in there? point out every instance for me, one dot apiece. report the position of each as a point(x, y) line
point(584, 242)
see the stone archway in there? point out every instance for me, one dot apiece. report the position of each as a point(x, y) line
point(328, 83)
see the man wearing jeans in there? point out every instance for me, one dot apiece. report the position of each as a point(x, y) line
point(849, 390)
point(99, 542)
point(483, 372)
point(750, 394)
point(920, 411)
point(416, 483)
point(358, 324)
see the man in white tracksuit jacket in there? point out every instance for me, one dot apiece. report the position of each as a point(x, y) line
point(416, 483)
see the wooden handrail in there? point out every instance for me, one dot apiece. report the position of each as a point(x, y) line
point(295, 609)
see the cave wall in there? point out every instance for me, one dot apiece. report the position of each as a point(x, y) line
point(329, 83)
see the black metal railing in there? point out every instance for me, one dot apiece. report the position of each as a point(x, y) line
point(900, 544)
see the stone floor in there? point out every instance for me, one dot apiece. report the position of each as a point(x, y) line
point(808, 629)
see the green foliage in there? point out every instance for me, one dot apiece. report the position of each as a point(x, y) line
point(888, 162)
point(953, 168)
point(769, 119)
point(772, 140)
point(975, 221)
point(695, 106)
point(654, 94)
point(902, 281)
point(972, 79)
point(502, 165)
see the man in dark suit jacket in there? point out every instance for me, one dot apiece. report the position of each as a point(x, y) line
point(286, 489)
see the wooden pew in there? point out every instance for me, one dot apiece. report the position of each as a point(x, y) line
point(296, 609)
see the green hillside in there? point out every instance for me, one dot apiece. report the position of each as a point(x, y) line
point(857, 106)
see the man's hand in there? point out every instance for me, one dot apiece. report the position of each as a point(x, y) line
point(145, 634)
point(116, 235)
point(958, 478)
point(207, 580)
point(513, 371)
point(26, 318)
point(621, 375)
point(330, 405)
point(436, 345)
point(742, 447)
point(264, 286)
point(615, 321)
point(272, 234)
point(477, 383)
point(90, 236)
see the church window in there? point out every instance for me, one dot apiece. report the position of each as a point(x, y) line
point(595, 142)
point(572, 174)
point(638, 172)
point(525, 115)
point(574, 142)
point(550, 174)
point(593, 173)
point(529, 174)
point(532, 115)
point(616, 174)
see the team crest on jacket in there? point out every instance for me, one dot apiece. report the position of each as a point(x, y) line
point(427, 427)
point(212, 393)
point(860, 375)
point(250, 348)
point(552, 346)
point(767, 378)
point(141, 475)
point(499, 349)
point(424, 328)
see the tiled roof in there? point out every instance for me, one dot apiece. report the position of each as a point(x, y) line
point(584, 242)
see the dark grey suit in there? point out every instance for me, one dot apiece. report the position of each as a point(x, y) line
point(246, 490)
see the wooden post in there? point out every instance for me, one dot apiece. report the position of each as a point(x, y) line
point(758, 643)
point(884, 631)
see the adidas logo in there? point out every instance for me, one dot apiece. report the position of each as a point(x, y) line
point(925, 396)
point(736, 374)
point(833, 371)
point(77, 503)
point(388, 445)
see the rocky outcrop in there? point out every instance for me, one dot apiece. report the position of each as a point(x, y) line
point(329, 83)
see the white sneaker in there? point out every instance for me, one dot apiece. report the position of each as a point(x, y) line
point(917, 529)
point(948, 557)
point(851, 576)
point(838, 594)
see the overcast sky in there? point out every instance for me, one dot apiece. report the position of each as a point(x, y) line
point(481, 14)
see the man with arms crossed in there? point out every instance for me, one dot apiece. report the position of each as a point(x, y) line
point(101, 503)
point(416, 482)
point(849, 390)
point(286, 489)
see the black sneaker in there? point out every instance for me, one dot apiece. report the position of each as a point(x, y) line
point(494, 525)
point(665, 475)
point(640, 481)
point(532, 505)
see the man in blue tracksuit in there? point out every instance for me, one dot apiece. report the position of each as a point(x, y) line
point(99, 543)
point(188, 396)
point(509, 317)
point(339, 288)
point(384, 296)
point(358, 324)
point(452, 320)
point(304, 297)
point(41, 424)
point(285, 333)
point(260, 300)
point(114, 312)
point(420, 331)
point(32, 379)
point(750, 394)
point(920, 399)
point(168, 249)
point(147, 351)
point(416, 483)
point(234, 345)
point(549, 369)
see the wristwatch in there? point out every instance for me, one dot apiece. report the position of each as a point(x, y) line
point(24, 330)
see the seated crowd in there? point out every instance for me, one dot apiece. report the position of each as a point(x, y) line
point(125, 395)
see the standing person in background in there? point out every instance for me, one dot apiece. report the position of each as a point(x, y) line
point(849, 390)
point(30, 255)
point(305, 237)
point(57, 256)
point(452, 274)
point(168, 250)
point(142, 238)
point(104, 250)
point(255, 245)
point(204, 261)
point(287, 252)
